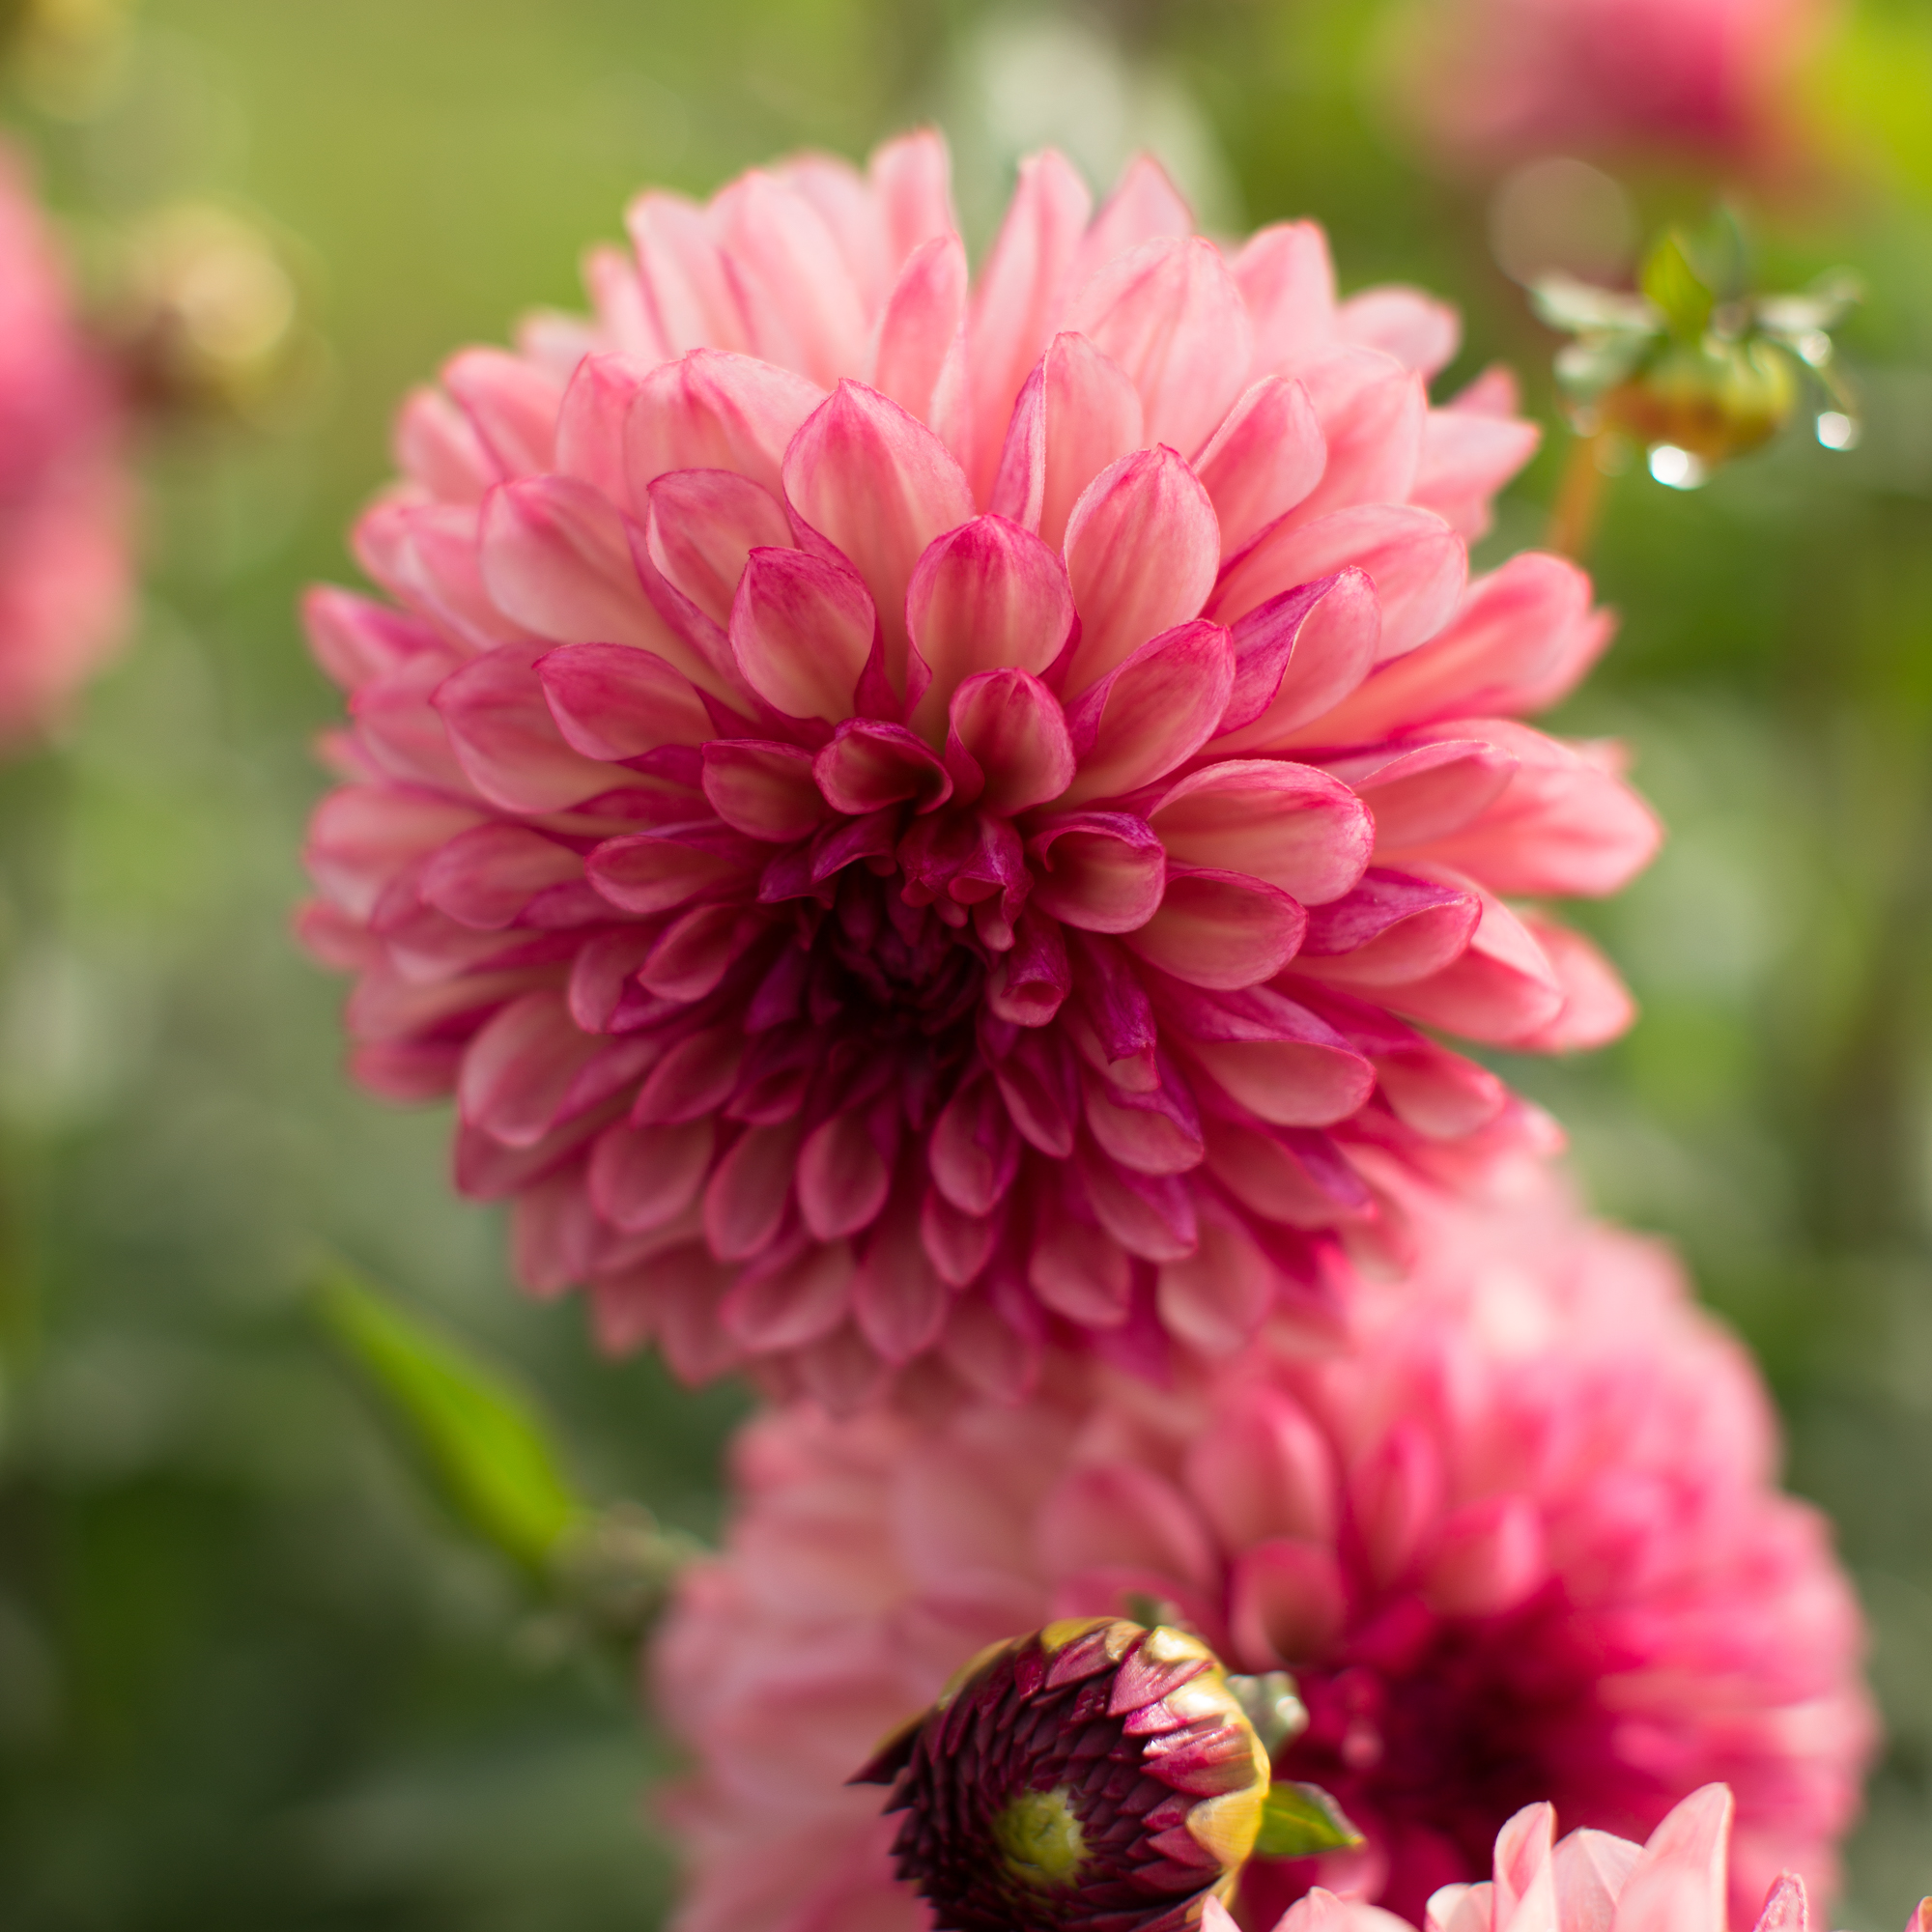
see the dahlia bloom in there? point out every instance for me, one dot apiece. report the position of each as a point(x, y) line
point(1093, 1777)
point(1517, 1538)
point(916, 823)
point(1587, 1882)
point(65, 564)
point(1492, 81)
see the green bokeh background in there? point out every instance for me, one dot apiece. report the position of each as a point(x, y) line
point(250, 1676)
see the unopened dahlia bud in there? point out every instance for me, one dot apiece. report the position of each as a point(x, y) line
point(1096, 1775)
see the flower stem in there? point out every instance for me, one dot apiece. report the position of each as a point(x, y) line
point(1579, 497)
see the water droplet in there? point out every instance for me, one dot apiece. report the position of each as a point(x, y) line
point(1675, 468)
point(1836, 430)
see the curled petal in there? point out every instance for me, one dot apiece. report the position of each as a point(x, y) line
point(1102, 871)
point(802, 632)
point(869, 765)
point(613, 701)
point(1007, 742)
point(1222, 931)
point(507, 742)
point(1295, 827)
point(919, 324)
point(1152, 712)
point(714, 411)
point(702, 526)
point(1262, 461)
point(765, 791)
point(1296, 656)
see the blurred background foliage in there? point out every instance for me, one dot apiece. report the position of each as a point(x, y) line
point(250, 1673)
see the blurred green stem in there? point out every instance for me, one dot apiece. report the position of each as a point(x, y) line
point(1579, 498)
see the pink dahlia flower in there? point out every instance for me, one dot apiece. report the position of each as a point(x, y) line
point(1588, 1881)
point(63, 497)
point(917, 821)
point(1492, 81)
point(1517, 1538)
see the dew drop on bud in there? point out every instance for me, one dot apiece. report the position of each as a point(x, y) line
point(1676, 468)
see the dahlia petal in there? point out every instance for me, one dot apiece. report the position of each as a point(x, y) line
point(877, 483)
point(504, 735)
point(1431, 791)
point(912, 184)
point(590, 426)
point(1006, 743)
point(871, 764)
point(1264, 460)
point(1438, 1093)
point(511, 404)
point(1019, 294)
point(1787, 1909)
point(487, 1169)
point(957, 1244)
point(642, 1179)
point(1150, 1216)
point(1288, 284)
point(1681, 1876)
point(1102, 871)
point(1290, 825)
point(1281, 1177)
point(1397, 1494)
point(1168, 314)
point(1222, 931)
point(702, 526)
point(1488, 1558)
point(749, 1192)
point(613, 701)
point(355, 638)
point(695, 1077)
point(899, 1303)
point(1032, 979)
point(1262, 1470)
point(1038, 1082)
point(1144, 206)
point(484, 877)
point(1119, 1515)
point(1150, 1134)
point(1310, 1081)
point(713, 410)
point(518, 1068)
point(1523, 636)
point(1142, 550)
point(1372, 412)
point(974, 1153)
point(1501, 988)
point(696, 950)
point(436, 445)
point(1216, 1297)
point(844, 202)
point(1466, 460)
point(1419, 331)
point(617, 298)
point(801, 631)
point(842, 1177)
point(602, 969)
point(361, 836)
point(792, 1306)
point(1415, 561)
point(1287, 1603)
point(1085, 413)
point(799, 299)
point(1152, 712)
point(765, 791)
point(552, 1234)
point(919, 326)
point(686, 275)
point(426, 554)
point(1296, 656)
point(647, 874)
point(1390, 930)
point(985, 596)
point(1597, 1007)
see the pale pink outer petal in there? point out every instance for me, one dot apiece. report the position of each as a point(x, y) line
point(919, 326)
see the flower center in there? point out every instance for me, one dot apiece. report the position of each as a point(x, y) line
point(1040, 1834)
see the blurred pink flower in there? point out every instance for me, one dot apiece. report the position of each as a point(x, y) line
point(915, 824)
point(1588, 1881)
point(1516, 1539)
point(65, 562)
point(1493, 81)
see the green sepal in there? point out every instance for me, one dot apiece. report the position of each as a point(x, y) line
point(1676, 288)
point(1299, 1820)
point(481, 1442)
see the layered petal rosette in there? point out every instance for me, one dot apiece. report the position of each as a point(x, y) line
point(919, 821)
point(64, 552)
point(1589, 1881)
point(1517, 1541)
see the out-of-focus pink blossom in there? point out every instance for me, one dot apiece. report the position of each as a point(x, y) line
point(1516, 1539)
point(63, 497)
point(1492, 81)
point(917, 820)
point(1589, 1881)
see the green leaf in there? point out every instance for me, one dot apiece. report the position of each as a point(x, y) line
point(1582, 309)
point(1670, 281)
point(482, 1443)
point(1298, 1820)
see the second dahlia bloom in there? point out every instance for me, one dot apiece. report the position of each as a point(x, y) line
point(916, 821)
point(1517, 1541)
point(1496, 81)
point(65, 560)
